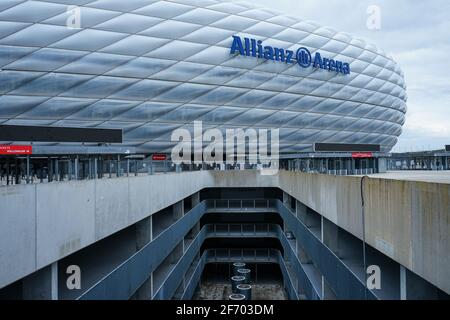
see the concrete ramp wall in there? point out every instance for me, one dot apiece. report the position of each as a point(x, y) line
point(42, 223)
point(406, 220)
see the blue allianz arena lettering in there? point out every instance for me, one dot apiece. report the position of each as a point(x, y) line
point(303, 57)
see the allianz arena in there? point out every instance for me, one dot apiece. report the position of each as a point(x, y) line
point(150, 67)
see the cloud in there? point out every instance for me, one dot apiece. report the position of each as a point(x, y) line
point(416, 33)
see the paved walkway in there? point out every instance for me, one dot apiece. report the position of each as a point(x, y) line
point(424, 176)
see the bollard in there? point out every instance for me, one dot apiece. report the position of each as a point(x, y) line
point(235, 281)
point(236, 267)
point(245, 290)
point(246, 274)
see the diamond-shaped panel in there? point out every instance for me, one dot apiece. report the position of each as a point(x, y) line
point(151, 66)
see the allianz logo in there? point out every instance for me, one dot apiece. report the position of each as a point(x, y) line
point(303, 57)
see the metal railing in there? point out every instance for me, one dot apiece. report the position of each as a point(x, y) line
point(238, 255)
point(124, 280)
point(153, 254)
point(47, 169)
point(240, 204)
point(242, 230)
point(340, 277)
point(172, 281)
point(169, 286)
point(363, 171)
point(147, 260)
point(57, 168)
point(345, 172)
point(192, 282)
point(289, 283)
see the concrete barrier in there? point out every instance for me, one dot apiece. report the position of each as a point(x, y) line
point(43, 223)
point(409, 221)
point(17, 232)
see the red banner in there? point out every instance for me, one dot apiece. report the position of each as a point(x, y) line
point(159, 157)
point(362, 155)
point(15, 150)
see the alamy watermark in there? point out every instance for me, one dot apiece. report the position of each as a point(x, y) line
point(373, 281)
point(374, 19)
point(73, 281)
point(233, 146)
point(74, 17)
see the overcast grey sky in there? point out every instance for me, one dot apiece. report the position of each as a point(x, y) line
point(417, 34)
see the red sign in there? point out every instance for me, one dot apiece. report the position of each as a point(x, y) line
point(15, 150)
point(159, 157)
point(362, 155)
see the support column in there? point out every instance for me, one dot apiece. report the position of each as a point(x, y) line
point(50, 170)
point(110, 168)
point(403, 295)
point(69, 169)
point(286, 199)
point(144, 235)
point(150, 167)
point(178, 210)
point(41, 285)
point(195, 199)
point(321, 239)
point(28, 169)
point(177, 253)
point(327, 293)
point(196, 230)
point(300, 211)
point(95, 168)
point(330, 236)
point(118, 166)
point(75, 167)
point(302, 255)
point(144, 232)
point(413, 287)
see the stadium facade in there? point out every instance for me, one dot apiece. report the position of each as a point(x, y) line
point(150, 67)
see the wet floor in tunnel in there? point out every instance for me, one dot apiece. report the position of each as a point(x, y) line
point(221, 291)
